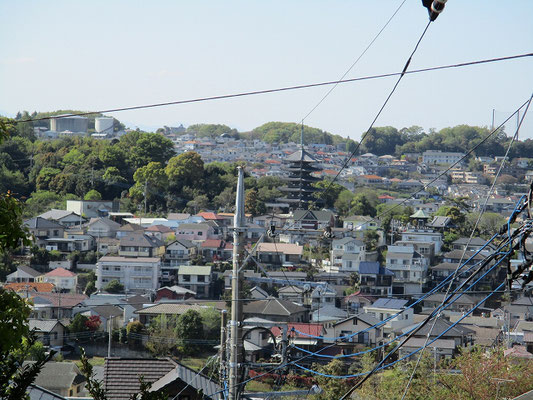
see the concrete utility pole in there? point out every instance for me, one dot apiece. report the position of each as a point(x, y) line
point(109, 330)
point(236, 343)
point(223, 338)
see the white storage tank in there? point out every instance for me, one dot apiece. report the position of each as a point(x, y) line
point(104, 124)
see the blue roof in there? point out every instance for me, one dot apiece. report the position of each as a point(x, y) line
point(373, 268)
point(390, 303)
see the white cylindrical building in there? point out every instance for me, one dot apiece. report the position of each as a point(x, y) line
point(103, 124)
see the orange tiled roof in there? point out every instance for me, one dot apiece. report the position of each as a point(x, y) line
point(41, 287)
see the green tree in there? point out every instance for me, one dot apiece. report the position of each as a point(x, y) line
point(92, 195)
point(371, 240)
point(362, 205)
point(189, 327)
point(333, 389)
point(187, 169)
point(78, 324)
point(252, 204)
point(343, 204)
point(210, 323)
point(114, 287)
point(329, 192)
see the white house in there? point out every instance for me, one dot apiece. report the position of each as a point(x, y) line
point(423, 235)
point(136, 274)
point(383, 309)
point(196, 278)
point(409, 268)
point(91, 208)
point(61, 278)
point(346, 254)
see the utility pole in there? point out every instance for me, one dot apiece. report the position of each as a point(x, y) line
point(109, 323)
point(145, 192)
point(223, 338)
point(236, 343)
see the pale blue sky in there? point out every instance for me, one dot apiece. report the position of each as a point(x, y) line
point(92, 55)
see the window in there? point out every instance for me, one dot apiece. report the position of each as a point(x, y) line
point(105, 268)
point(200, 233)
point(186, 278)
point(200, 278)
point(138, 269)
point(116, 268)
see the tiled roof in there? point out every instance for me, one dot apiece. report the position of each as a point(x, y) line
point(108, 310)
point(57, 376)
point(62, 272)
point(159, 228)
point(194, 270)
point(56, 214)
point(121, 375)
point(310, 329)
point(198, 381)
point(29, 271)
point(140, 239)
point(63, 300)
point(41, 287)
point(283, 248)
point(43, 325)
point(207, 215)
point(169, 308)
point(39, 393)
point(130, 228)
point(41, 223)
point(272, 307)
point(214, 243)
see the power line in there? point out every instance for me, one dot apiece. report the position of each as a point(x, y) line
point(284, 89)
point(515, 136)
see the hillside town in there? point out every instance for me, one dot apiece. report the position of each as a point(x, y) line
point(110, 281)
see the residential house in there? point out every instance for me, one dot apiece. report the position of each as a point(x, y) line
point(161, 232)
point(148, 313)
point(370, 180)
point(108, 245)
point(54, 305)
point(247, 273)
point(423, 235)
point(346, 254)
point(328, 313)
point(23, 274)
point(460, 334)
point(458, 303)
point(64, 217)
point(62, 378)
point(173, 293)
point(355, 329)
point(198, 232)
point(409, 268)
point(360, 223)
point(426, 249)
point(102, 228)
point(438, 349)
point(216, 249)
point(279, 253)
point(196, 278)
point(127, 302)
point(50, 332)
point(471, 244)
point(61, 278)
point(108, 314)
point(128, 229)
point(375, 279)
point(303, 336)
point(122, 379)
point(321, 296)
point(276, 310)
point(179, 252)
point(355, 302)
point(141, 245)
point(291, 293)
point(307, 219)
point(92, 208)
point(39, 393)
point(136, 274)
point(42, 229)
point(393, 311)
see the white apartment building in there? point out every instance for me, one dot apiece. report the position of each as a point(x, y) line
point(138, 274)
point(431, 157)
point(196, 278)
point(409, 268)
